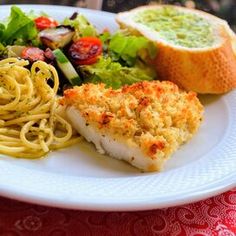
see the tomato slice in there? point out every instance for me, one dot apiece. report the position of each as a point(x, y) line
point(43, 22)
point(86, 50)
point(33, 54)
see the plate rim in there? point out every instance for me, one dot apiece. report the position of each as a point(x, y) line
point(152, 204)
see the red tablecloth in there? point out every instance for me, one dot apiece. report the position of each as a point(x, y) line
point(214, 216)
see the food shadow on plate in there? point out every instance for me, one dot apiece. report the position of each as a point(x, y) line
point(207, 99)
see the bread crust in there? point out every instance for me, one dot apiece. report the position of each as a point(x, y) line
point(203, 70)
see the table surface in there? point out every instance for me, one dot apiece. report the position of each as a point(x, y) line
point(213, 216)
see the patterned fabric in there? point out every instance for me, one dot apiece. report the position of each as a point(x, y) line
point(215, 216)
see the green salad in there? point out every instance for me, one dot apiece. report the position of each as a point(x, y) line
point(74, 46)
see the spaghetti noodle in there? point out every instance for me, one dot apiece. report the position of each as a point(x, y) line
point(30, 125)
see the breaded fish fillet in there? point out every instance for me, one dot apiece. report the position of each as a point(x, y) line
point(143, 123)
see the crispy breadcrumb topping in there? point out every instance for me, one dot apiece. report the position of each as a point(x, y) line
point(154, 116)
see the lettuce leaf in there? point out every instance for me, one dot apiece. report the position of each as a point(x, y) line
point(2, 28)
point(19, 30)
point(128, 48)
point(81, 25)
point(114, 75)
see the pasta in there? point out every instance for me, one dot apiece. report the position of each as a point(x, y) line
point(30, 124)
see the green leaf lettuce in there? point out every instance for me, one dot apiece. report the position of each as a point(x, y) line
point(114, 75)
point(128, 48)
point(19, 30)
point(81, 25)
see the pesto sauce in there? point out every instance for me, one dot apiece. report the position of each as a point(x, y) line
point(177, 27)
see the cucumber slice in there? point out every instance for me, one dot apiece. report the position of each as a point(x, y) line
point(66, 67)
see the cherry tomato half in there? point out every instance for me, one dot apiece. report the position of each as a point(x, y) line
point(43, 22)
point(86, 50)
point(33, 54)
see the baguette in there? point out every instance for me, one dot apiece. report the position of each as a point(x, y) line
point(207, 69)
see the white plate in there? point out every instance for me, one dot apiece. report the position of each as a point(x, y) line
point(79, 178)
